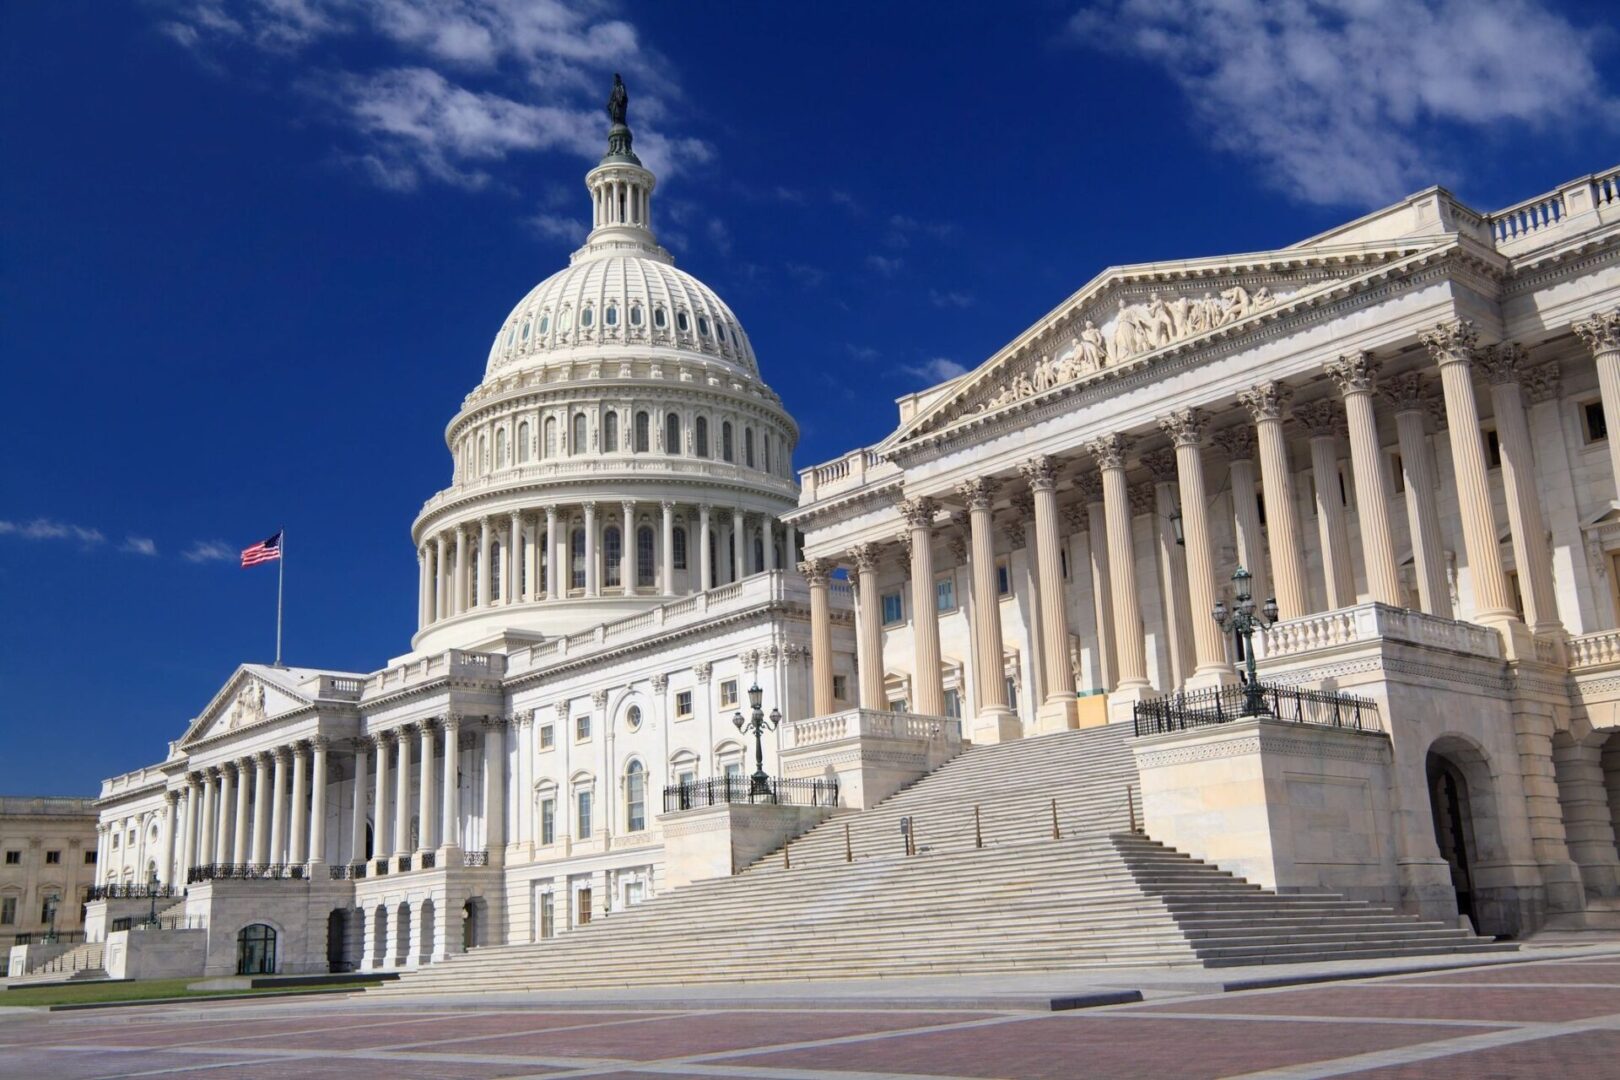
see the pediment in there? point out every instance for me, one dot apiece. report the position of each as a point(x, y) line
point(1129, 317)
point(246, 699)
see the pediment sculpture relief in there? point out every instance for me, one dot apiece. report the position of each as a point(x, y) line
point(249, 705)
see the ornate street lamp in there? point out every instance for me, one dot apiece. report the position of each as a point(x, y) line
point(757, 722)
point(1243, 621)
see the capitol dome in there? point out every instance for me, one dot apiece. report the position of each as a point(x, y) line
point(620, 452)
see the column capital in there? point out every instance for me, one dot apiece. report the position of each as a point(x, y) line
point(1501, 363)
point(919, 511)
point(1089, 485)
point(1144, 500)
point(599, 698)
point(1451, 342)
point(1237, 442)
point(1406, 392)
point(589, 507)
point(1542, 382)
point(1077, 518)
point(1040, 472)
point(451, 721)
point(816, 571)
point(866, 557)
point(1110, 450)
point(1185, 427)
point(426, 726)
point(1354, 372)
point(1267, 400)
point(321, 743)
point(282, 754)
point(170, 796)
point(667, 505)
point(1161, 463)
point(1601, 332)
point(1322, 418)
point(703, 671)
point(903, 539)
point(660, 683)
point(979, 492)
point(551, 516)
point(628, 508)
point(562, 709)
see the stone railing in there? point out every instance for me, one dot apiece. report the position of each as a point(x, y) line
point(850, 471)
point(1368, 622)
point(132, 781)
point(337, 686)
point(874, 723)
point(1542, 218)
point(1595, 651)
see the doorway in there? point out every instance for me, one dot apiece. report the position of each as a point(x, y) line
point(1453, 829)
point(256, 950)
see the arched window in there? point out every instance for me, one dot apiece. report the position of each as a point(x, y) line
point(472, 580)
point(682, 323)
point(703, 325)
point(702, 436)
point(765, 448)
point(611, 315)
point(635, 314)
point(587, 316)
point(635, 797)
point(660, 318)
point(256, 950)
point(748, 447)
point(577, 446)
point(672, 434)
point(523, 441)
point(483, 453)
point(612, 550)
point(511, 335)
point(500, 447)
point(565, 319)
point(545, 323)
point(576, 559)
point(610, 432)
point(644, 556)
point(495, 563)
point(759, 554)
point(550, 450)
point(643, 432)
point(725, 441)
point(680, 547)
point(526, 330)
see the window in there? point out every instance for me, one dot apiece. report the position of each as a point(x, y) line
point(582, 727)
point(47, 908)
point(1012, 693)
point(680, 547)
point(682, 323)
point(1493, 449)
point(1003, 577)
point(644, 556)
point(577, 446)
point(500, 446)
point(545, 322)
point(1594, 425)
point(672, 434)
point(576, 553)
point(728, 693)
point(610, 433)
point(732, 770)
point(548, 820)
point(841, 687)
point(643, 433)
point(565, 320)
point(14, 858)
point(8, 910)
point(548, 917)
point(548, 736)
point(748, 447)
point(635, 797)
point(551, 437)
point(660, 318)
point(582, 905)
point(115, 838)
point(611, 315)
point(635, 314)
point(582, 814)
point(495, 567)
point(89, 858)
point(898, 705)
point(523, 441)
point(683, 704)
point(587, 317)
point(526, 331)
point(703, 325)
point(894, 611)
point(612, 550)
point(685, 778)
point(53, 858)
point(702, 436)
point(765, 449)
point(632, 718)
point(953, 703)
point(725, 441)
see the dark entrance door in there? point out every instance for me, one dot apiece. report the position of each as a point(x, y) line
point(256, 950)
point(337, 926)
point(1448, 801)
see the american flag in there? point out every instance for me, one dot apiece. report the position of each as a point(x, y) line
point(264, 551)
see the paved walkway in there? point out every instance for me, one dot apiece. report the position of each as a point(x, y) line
point(1550, 1017)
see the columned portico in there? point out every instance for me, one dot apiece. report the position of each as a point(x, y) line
point(1601, 334)
point(1058, 711)
point(927, 691)
point(1129, 646)
point(1408, 396)
point(993, 722)
point(1354, 373)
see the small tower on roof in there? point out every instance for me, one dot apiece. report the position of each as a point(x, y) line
point(621, 190)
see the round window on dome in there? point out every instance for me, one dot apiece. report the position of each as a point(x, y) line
point(545, 323)
point(660, 318)
point(703, 325)
point(682, 323)
point(611, 315)
point(635, 315)
point(632, 719)
point(587, 317)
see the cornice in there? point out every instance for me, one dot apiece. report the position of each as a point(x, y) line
point(607, 389)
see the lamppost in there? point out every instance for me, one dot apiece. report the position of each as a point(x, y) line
point(757, 722)
point(1243, 621)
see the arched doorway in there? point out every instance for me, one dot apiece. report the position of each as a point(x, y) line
point(1454, 828)
point(402, 935)
point(427, 922)
point(256, 950)
point(379, 937)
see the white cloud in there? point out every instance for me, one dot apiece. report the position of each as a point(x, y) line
point(936, 370)
point(719, 236)
point(50, 529)
point(139, 545)
point(949, 298)
point(884, 265)
point(1352, 101)
point(558, 226)
point(202, 551)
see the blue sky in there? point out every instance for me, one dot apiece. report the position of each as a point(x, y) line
point(253, 252)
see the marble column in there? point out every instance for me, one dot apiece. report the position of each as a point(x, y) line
point(459, 601)
point(171, 802)
point(450, 823)
point(531, 562)
point(592, 578)
point(261, 808)
point(422, 581)
point(512, 560)
point(1405, 394)
point(1323, 420)
point(1172, 558)
point(739, 546)
point(223, 833)
point(402, 794)
point(705, 570)
point(994, 721)
point(1265, 403)
point(818, 574)
point(869, 643)
point(667, 562)
point(556, 558)
point(239, 843)
point(441, 584)
point(190, 850)
point(484, 593)
point(1355, 374)
point(927, 687)
point(1089, 484)
point(205, 832)
point(426, 802)
point(1601, 333)
point(495, 788)
point(357, 809)
point(1453, 346)
point(1058, 711)
point(1186, 427)
point(298, 830)
point(1502, 366)
point(381, 812)
point(1237, 443)
point(627, 549)
point(1129, 644)
point(317, 801)
point(278, 807)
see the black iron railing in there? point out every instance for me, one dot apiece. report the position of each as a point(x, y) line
point(134, 891)
point(48, 937)
point(164, 922)
point(429, 860)
point(404, 863)
point(1220, 704)
point(475, 858)
point(246, 872)
point(720, 790)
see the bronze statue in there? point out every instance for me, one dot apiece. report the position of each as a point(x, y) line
point(618, 101)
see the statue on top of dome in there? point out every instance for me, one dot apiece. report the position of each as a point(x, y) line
point(618, 101)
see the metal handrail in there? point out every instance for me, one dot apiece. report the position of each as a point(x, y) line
point(143, 890)
point(720, 790)
point(246, 872)
point(1221, 704)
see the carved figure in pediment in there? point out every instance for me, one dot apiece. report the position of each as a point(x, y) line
point(1159, 325)
point(1237, 304)
point(1262, 298)
point(1022, 387)
point(1093, 349)
point(1045, 374)
point(249, 705)
point(1180, 313)
point(1127, 336)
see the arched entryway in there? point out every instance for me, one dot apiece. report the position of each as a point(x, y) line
point(402, 935)
point(379, 937)
point(256, 950)
point(343, 939)
point(427, 923)
point(1453, 828)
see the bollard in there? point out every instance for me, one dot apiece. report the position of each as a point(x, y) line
point(849, 854)
point(1130, 803)
point(1055, 834)
point(978, 834)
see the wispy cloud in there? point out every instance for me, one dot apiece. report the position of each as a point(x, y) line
point(949, 298)
point(202, 551)
point(862, 353)
point(719, 236)
point(884, 265)
point(936, 370)
point(1351, 101)
point(51, 529)
point(805, 275)
point(139, 545)
point(558, 226)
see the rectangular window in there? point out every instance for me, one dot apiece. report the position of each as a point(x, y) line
point(1594, 425)
point(683, 704)
point(53, 858)
point(89, 858)
point(582, 814)
point(1012, 693)
point(548, 917)
point(728, 693)
point(953, 703)
point(13, 858)
point(1003, 577)
point(115, 838)
point(548, 821)
point(733, 770)
point(685, 778)
point(945, 594)
point(1493, 449)
point(582, 727)
point(840, 688)
point(582, 911)
point(893, 610)
point(8, 910)
point(898, 705)
point(548, 736)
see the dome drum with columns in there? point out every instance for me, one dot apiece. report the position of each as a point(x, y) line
point(621, 419)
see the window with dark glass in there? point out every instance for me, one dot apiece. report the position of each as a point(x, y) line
point(672, 434)
point(643, 433)
point(612, 551)
point(644, 556)
point(680, 547)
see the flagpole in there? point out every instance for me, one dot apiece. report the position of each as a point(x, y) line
point(281, 577)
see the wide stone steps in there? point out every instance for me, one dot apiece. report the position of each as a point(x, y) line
point(80, 963)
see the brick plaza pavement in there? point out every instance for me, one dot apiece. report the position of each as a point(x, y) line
point(1547, 1018)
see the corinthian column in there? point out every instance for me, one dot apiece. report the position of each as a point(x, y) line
point(592, 578)
point(380, 815)
point(817, 573)
point(450, 824)
point(1089, 484)
point(1172, 564)
point(869, 652)
point(927, 691)
point(1130, 649)
point(459, 601)
point(1601, 333)
point(994, 721)
point(441, 579)
point(317, 801)
point(298, 834)
point(402, 795)
point(166, 875)
point(1501, 366)
point(1186, 430)
point(705, 570)
point(1238, 444)
point(1265, 403)
point(1452, 345)
point(190, 852)
point(261, 808)
point(668, 548)
point(278, 807)
point(739, 545)
point(239, 842)
point(627, 549)
point(1405, 394)
point(1354, 374)
point(484, 593)
point(357, 819)
point(425, 840)
point(1323, 420)
point(1058, 711)
point(222, 814)
point(556, 558)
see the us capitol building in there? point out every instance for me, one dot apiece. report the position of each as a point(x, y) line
point(1398, 428)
